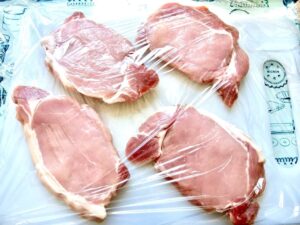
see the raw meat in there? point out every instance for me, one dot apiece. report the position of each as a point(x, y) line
point(208, 160)
point(96, 61)
point(196, 42)
point(71, 149)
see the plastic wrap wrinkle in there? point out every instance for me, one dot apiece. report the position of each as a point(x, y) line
point(205, 158)
point(188, 33)
point(96, 61)
point(85, 175)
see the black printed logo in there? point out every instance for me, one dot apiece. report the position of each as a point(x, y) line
point(274, 74)
point(203, 0)
point(4, 44)
point(80, 2)
point(249, 4)
point(3, 93)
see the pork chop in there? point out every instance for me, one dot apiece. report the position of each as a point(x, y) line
point(96, 61)
point(208, 160)
point(71, 149)
point(199, 44)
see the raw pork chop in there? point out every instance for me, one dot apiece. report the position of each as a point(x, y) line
point(72, 150)
point(96, 61)
point(196, 42)
point(208, 160)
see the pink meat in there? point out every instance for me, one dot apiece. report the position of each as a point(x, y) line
point(196, 42)
point(205, 158)
point(96, 61)
point(71, 149)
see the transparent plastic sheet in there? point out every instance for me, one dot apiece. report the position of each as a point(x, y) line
point(147, 197)
point(11, 13)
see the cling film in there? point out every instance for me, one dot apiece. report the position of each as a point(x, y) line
point(280, 113)
point(148, 198)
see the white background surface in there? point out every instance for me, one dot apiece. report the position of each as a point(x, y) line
point(147, 198)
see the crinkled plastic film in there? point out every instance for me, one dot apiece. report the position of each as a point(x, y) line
point(154, 113)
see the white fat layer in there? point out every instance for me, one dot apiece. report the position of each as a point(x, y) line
point(77, 202)
point(59, 70)
point(237, 135)
point(231, 69)
point(123, 90)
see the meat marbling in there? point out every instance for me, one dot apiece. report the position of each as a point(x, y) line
point(208, 160)
point(71, 149)
point(196, 42)
point(96, 61)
